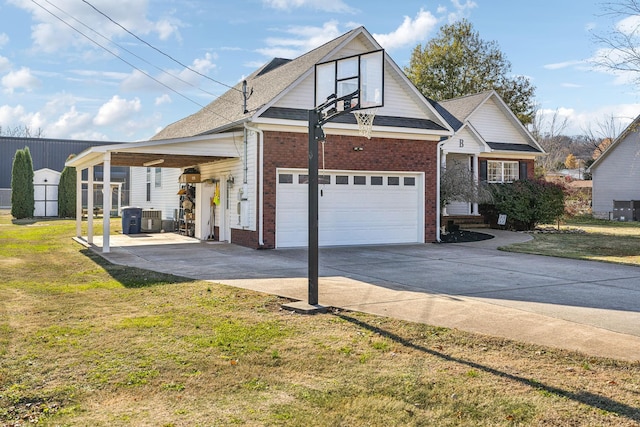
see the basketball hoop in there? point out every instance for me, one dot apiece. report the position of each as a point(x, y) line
point(365, 121)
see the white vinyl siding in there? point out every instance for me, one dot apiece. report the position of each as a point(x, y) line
point(398, 101)
point(469, 145)
point(220, 170)
point(165, 198)
point(494, 126)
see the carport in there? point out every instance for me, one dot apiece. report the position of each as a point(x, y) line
point(169, 153)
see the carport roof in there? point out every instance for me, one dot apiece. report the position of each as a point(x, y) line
point(169, 153)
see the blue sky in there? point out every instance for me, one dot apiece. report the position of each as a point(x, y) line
point(53, 78)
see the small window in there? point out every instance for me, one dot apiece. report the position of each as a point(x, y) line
point(376, 180)
point(409, 181)
point(158, 178)
point(359, 180)
point(342, 179)
point(393, 180)
point(285, 178)
point(322, 179)
point(148, 184)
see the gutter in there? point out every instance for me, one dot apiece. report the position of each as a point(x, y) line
point(260, 183)
point(438, 169)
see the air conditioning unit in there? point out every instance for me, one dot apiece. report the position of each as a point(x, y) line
point(151, 221)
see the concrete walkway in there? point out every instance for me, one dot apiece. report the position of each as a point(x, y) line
point(591, 307)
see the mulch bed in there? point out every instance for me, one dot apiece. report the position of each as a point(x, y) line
point(462, 236)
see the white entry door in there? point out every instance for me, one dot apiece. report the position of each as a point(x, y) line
point(355, 208)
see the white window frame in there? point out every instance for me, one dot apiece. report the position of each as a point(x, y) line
point(499, 173)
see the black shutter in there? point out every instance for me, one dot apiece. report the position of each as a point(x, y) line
point(523, 170)
point(483, 170)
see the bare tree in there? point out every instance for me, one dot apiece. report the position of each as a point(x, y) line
point(459, 184)
point(602, 133)
point(21, 132)
point(548, 133)
point(621, 44)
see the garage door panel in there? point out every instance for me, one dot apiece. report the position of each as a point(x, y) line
point(352, 214)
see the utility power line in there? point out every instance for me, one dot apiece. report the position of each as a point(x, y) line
point(156, 49)
point(129, 63)
point(133, 53)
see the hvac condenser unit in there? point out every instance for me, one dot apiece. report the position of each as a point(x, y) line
point(151, 221)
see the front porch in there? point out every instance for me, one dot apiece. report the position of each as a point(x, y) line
point(464, 221)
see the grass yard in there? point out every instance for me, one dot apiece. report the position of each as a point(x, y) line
point(617, 242)
point(86, 343)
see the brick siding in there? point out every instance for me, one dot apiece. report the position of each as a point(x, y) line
point(289, 150)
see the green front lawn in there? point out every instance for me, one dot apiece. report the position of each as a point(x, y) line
point(87, 343)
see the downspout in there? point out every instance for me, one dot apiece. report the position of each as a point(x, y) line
point(260, 183)
point(438, 172)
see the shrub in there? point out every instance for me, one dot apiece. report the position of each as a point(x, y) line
point(67, 193)
point(22, 190)
point(526, 203)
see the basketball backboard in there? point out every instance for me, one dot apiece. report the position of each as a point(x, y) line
point(361, 75)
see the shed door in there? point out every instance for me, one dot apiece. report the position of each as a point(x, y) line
point(355, 208)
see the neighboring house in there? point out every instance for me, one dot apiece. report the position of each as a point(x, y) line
point(254, 161)
point(489, 139)
point(616, 175)
point(51, 154)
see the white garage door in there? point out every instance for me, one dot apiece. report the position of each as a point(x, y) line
point(355, 208)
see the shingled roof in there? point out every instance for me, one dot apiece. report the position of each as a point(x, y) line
point(456, 111)
point(265, 83)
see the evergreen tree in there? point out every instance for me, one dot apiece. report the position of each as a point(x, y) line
point(67, 193)
point(22, 190)
point(457, 62)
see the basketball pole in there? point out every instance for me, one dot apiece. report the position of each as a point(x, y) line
point(317, 118)
point(315, 134)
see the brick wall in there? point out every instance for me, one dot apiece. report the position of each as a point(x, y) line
point(289, 150)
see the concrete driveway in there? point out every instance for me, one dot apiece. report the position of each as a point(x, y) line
point(591, 307)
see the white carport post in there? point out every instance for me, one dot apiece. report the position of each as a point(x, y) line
point(90, 205)
point(78, 202)
point(106, 202)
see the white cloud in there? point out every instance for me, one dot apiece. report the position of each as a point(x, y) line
point(5, 64)
point(560, 65)
point(115, 110)
point(580, 121)
point(164, 99)
point(613, 56)
point(10, 115)
point(21, 79)
point(49, 34)
point(201, 65)
point(629, 25)
point(461, 10)
point(4, 39)
point(180, 80)
point(325, 5)
point(409, 32)
point(303, 39)
point(68, 123)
